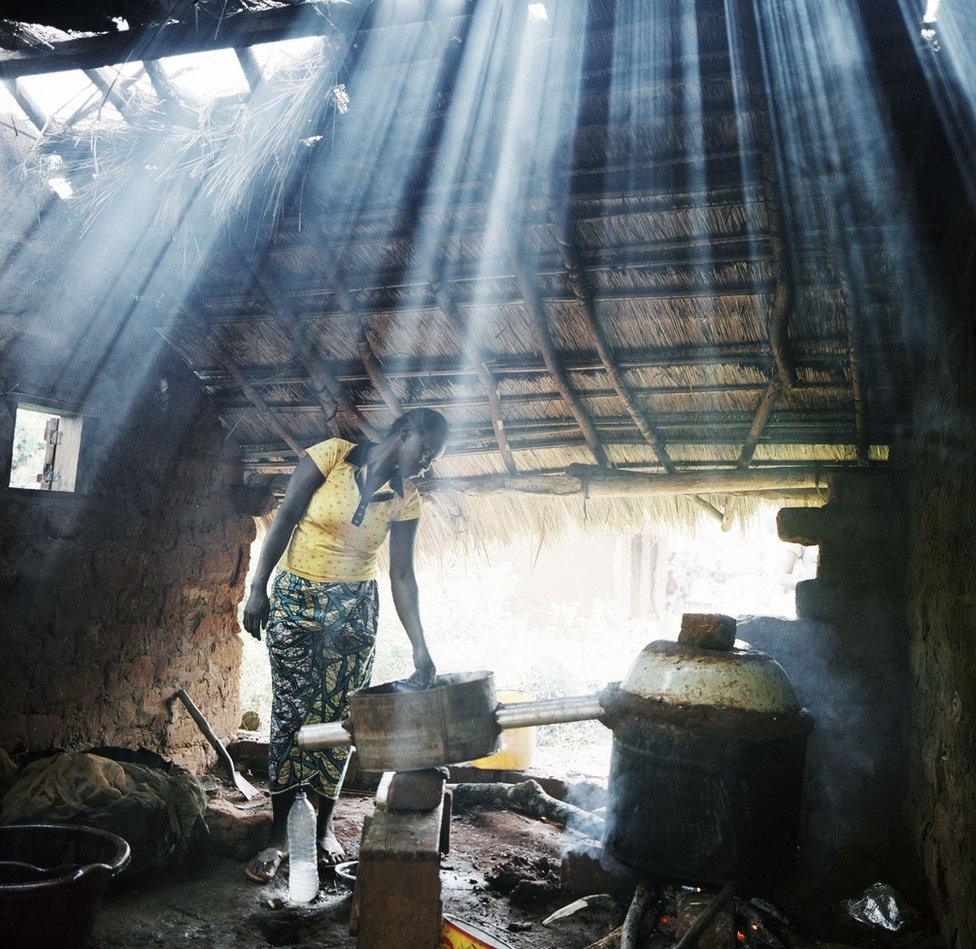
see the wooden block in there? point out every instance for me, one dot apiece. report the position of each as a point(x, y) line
point(707, 630)
point(398, 886)
point(416, 790)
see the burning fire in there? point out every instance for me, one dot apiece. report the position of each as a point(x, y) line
point(740, 937)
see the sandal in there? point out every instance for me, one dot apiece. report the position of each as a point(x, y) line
point(263, 866)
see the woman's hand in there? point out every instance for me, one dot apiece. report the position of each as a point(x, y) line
point(256, 611)
point(424, 665)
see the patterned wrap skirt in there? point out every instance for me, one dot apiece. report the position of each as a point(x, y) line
point(321, 640)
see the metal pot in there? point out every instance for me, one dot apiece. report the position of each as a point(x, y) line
point(707, 765)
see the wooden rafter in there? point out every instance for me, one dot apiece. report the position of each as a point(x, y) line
point(26, 102)
point(249, 66)
point(329, 391)
point(594, 325)
point(219, 351)
point(540, 325)
point(774, 200)
point(857, 386)
point(767, 402)
point(471, 349)
point(108, 88)
point(347, 304)
point(161, 83)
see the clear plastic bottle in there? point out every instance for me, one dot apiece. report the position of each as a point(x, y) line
point(303, 866)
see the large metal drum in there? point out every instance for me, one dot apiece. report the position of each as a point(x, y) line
point(453, 720)
point(707, 766)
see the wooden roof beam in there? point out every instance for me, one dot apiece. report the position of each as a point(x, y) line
point(349, 307)
point(330, 392)
point(219, 351)
point(594, 481)
point(484, 374)
point(106, 85)
point(774, 195)
point(249, 66)
point(581, 288)
point(27, 103)
point(199, 32)
point(539, 321)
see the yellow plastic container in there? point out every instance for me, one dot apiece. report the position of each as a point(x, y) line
point(518, 744)
point(462, 935)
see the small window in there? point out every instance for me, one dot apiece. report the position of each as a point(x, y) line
point(46, 447)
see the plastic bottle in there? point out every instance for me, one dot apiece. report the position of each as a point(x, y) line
point(303, 867)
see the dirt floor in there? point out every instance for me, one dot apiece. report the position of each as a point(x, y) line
point(502, 875)
point(210, 903)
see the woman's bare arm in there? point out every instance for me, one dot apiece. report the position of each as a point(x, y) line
point(403, 583)
point(303, 483)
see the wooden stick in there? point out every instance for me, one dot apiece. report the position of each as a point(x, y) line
point(763, 411)
point(528, 797)
point(705, 918)
point(354, 313)
point(593, 481)
point(630, 931)
point(26, 101)
point(539, 320)
point(329, 391)
point(249, 66)
point(107, 86)
point(485, 377)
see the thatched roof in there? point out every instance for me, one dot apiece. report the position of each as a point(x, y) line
point(669, 246)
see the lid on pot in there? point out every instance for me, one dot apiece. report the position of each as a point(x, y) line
point(707, 666)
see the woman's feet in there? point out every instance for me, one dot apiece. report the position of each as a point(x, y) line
point(263, 866)
point(330, 850)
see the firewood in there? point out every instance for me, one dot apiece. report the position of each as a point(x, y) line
point(528, 798)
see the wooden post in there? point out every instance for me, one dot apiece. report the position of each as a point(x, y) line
point(398, 885)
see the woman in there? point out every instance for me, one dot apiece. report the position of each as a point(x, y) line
point(341, 501)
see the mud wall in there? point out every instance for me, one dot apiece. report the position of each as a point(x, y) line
point(942, 615)
point(847, 656)
point(113, 597)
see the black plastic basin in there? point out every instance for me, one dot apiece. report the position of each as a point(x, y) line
point(52, 878)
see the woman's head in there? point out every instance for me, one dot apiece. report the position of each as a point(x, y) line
point(421, 435)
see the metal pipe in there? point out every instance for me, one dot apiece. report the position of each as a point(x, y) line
point(576, 708)
point(326, 735)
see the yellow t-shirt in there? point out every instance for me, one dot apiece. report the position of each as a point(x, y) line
point(326, 546)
